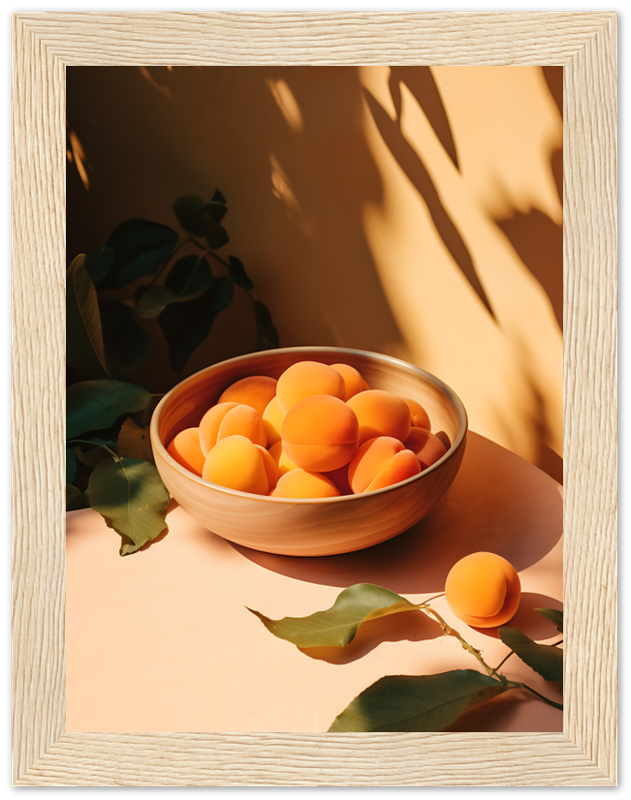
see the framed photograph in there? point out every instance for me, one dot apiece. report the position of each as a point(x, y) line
point(44, 753)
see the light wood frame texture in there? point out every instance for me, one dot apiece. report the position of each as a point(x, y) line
point(43, 45)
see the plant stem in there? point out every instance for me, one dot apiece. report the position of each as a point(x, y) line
point(512, 652)
point(451, 632)
point(530, 689)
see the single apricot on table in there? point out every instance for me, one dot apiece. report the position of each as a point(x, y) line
point(237, 463)
point(320, 433)
point(381, 462)
point(186, 450)
point(483, 590)
point(305, 379)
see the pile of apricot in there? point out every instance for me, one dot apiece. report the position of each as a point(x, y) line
point(318, 431)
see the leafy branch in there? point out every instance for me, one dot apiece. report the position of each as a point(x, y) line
point(415, 702)
point(109, 460)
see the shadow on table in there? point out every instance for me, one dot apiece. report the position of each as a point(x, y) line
point(498, 503)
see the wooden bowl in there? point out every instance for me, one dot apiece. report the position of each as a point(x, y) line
point(308, 527)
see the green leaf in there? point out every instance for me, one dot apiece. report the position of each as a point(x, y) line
point(93, 405)
point(98, 262)
point(154, 301)
point(75, 499)
point(545, 659)
point(554, 615)
point(216, 210)
point(218, 197)
point(266, 334)
point(411, 703)
point(238, 273)
point(71, 465)
point(126, 343)
point(139, 247)
point(189, 276)
point(337, 626)
point(187, 325)
point(84, 337)
point(93, 455)
point(189, 210)
point(131, 497)
point(216, 236)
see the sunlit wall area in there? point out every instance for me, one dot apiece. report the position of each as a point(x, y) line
point(414, 211)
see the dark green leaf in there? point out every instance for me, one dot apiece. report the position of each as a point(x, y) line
point(92, 455)
point(266, 334)
point(238, 274)
point(71, 465)
point(98, 262)
point(154, 301)
point(92, 405)
point(127, 346)
point(218, 197)
point(215, 234)
point(337, 626)
point(189, 276)
point(75, 499)
point(410, 703)
point(189, 210)
point(554, 615)
point(187, 325)
point(545, 659)
point(114, 314)
point(85, 350)
point(140, 247)
point(130, 495)
point(216, 210)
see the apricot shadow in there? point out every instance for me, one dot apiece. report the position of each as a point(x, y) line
point(486, 508)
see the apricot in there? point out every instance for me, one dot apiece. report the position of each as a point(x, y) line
point(280, 459)
point(420, 418)
point(320, 433)
point(186, 450)
point(272, 420)
point(381, 413)
point(381, 462)
point(209, 425)
point(427, 447)
point(353, 381)
point(230, 419)
point(237, 463)
point(255, 391)
point(483, 590)
point(243, 421)
point(305, 379)
point(298, 483)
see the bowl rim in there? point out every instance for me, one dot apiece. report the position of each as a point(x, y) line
point(157, 444)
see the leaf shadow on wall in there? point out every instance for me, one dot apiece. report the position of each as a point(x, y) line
point(416, 171)
point(537, 239)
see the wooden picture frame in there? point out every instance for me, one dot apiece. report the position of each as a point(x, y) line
point(43, 45)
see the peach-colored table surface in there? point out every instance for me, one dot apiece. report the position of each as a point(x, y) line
point(162, 640)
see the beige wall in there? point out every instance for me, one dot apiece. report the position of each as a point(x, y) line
point(409, 211)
